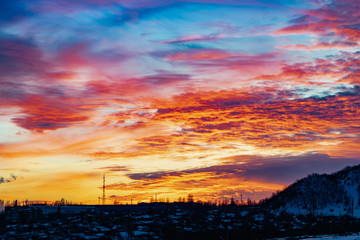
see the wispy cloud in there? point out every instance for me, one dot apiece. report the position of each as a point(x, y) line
point(8, 180)
point(115, 168)
point(322, 45)
point(239, 175)
point(195, 38)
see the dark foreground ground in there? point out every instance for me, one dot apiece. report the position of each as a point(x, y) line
point(164, 221)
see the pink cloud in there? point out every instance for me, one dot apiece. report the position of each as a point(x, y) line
point(337, 17)
point(210, 59)
point(195, 38)
point(321, 45)
point(41, 113)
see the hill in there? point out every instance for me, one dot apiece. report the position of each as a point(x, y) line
point(334, 194)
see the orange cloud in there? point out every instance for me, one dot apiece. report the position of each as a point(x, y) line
point(258, 119)
point(250, 176)
point(205, 186)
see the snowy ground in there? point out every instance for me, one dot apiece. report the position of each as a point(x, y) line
point(355, 236)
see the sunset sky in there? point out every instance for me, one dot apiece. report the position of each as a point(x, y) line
point(218, 98)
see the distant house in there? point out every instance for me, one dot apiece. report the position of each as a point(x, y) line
point(26, 214)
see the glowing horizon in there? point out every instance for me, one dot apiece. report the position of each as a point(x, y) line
point(214, 98)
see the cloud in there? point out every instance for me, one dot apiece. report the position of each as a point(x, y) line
point(247, 175)
point(199, 55)
point(337, 17)
point(85, 55)
point(164, 78)
point(41, 90)
point(115, 169)
point(213, 57)
point(8, 180)
point(49, 113)
point(342, 68)
point(275, 169)
point(266, 120)
point(210, 60)
point(24, 83)
point(202, 185)
point(321, 45)
point(95, 81)
point(195, 38)
point(137, 90)
point(20, 56)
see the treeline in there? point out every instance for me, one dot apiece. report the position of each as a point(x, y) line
point(191, 199)
point(188, 199)
point(17, 203)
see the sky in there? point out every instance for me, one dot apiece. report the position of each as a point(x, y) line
point(219, 99)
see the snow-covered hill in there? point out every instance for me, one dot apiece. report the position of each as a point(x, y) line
point(334, 194)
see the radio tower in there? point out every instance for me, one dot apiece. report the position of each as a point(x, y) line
point(103, 197)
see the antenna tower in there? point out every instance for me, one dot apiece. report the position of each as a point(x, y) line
point(103, 197)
